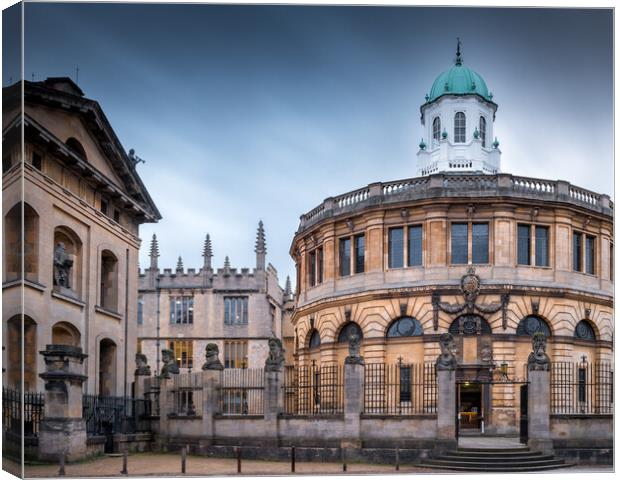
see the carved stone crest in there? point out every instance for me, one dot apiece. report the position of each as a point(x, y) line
point(446, 360)
point(170, 364)
point(212, 358)
point(354, 357)
point(62, 266)
point(538, 358)
point(141, 367)
point(275, 359)
point(470, 288)
point(486, 353)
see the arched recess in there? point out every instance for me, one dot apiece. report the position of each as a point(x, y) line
point(107, 367)
point(531, 324)
point(13, 243)
point(404, 327)
point(348, 329)
point(75, 145)
point(469, 324)
point(15, 352)
point(584, 330)
point(67, 262)
point(314, 339)
point(63, 333)
point(109, 281)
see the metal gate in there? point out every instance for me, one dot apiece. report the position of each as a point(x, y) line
point(523, 433)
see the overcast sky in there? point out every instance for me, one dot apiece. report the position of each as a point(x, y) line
point(260, 112)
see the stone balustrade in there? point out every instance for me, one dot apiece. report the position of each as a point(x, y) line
point(457, 185)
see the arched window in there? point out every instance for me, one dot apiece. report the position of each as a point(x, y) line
point(13, 243)
point(436, 128)
point(315, 339)
point(532, 324)
point(109, 281)
point(584, 331)
point(469, 324)
point(348, 330)
point(483, 131)
point(107, 367)
point(405, 327)
point(77, 147)
point(67, 262)
point(459, 127)
point(15, 352)
point(63, 333)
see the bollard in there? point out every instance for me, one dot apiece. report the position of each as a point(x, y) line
point(183, 458)
point(292, 459)
point(397, 459)
point(238, 459)
point(344, 459)
point(61, 468)
point(124, 470)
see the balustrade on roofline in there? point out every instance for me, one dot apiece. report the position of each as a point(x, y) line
point(418, 187)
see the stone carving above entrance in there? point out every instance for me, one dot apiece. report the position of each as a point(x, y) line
point(470, 288)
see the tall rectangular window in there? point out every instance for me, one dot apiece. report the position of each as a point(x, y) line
point(414, 252)
point(183, 352)
point(312, 268)
point(590, 254)
point(359, 253)
point(480, 243)
point(524, 247)
point(405, 384)
point(235, 310)
point(140, 309)
point(345, 257)
point(577, 251)
point(319, 259)
point(542, 246)
point(459, 243)
point(395, 247)
point(582, 384)
point(181, 310)
point(235, 354)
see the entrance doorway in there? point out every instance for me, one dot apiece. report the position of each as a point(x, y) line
point(470, 407)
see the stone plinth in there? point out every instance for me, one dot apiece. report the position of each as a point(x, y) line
point(63, 430)
point(211, 384)
point(353, 403)
point(538, 411)
point(446, 409)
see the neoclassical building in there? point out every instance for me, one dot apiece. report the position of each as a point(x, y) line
point(75, 194)
point(237, 309)
point(463, 248)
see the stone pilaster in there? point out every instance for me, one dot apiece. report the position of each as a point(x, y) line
point(353, 403)
point(538, 411)
point(63, 430)
point(211, 384)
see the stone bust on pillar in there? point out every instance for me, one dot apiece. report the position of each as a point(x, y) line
point(170, 364)
point(275, 359)
point(538, 358)
point(354, 357)
point(212, 352)
point(446, 360)
point(142, 369)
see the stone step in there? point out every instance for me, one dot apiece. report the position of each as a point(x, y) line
point(523, 468)
point(484, 464)
point(492, 450)
point(494, 458)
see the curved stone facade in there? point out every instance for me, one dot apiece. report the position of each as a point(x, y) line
point(493, 322)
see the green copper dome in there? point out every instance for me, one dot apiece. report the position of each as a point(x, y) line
point(459, 80)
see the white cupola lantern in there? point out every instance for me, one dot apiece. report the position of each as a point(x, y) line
point(458, 117)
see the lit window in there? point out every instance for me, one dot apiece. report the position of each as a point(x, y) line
point(236, 354)
point(235, 310)
point(181, 310)
point(459, 127)
point(183, 352)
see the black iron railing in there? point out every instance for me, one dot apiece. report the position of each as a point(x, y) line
point(400, 389)
point(582, 388)
point(109, 415)
point(314, 390)
point(187, 393)
point(33, 404)
point(242, 391)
